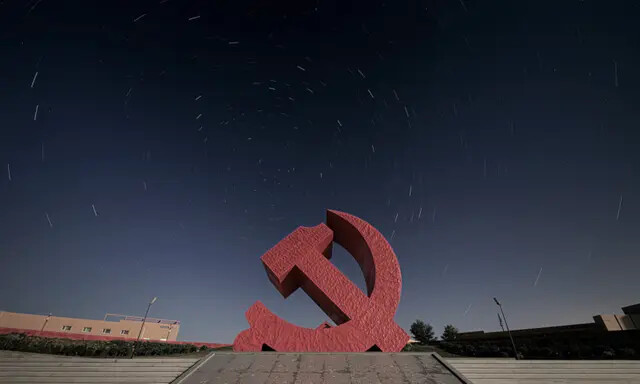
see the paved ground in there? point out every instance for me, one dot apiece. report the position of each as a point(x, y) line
point(319, 368)
point(16, 367)
point(312, 368)
point(509, 371)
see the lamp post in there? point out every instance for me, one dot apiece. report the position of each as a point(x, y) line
point(171, 329)
point(45, 322)
point(513, 344)
point(144, 320)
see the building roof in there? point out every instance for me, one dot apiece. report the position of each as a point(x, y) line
point(632, 309)
point(109, 316)
point(527, 331)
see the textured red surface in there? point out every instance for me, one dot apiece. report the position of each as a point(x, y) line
point(80, 336)
point(300, 260)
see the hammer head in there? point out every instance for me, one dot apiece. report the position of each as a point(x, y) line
point(281, 260)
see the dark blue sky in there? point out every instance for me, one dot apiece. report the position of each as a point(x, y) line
point(502, 135)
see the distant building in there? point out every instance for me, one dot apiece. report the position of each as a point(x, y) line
point(630, 320)
point(122, 327)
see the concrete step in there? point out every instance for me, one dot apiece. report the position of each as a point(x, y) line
point(36, 368)
point(502, 371)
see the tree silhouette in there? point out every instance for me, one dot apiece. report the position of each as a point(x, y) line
point(422, 332)
point(450, 333)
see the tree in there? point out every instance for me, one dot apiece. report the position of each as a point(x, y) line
point(422, 332)
point(450, 333)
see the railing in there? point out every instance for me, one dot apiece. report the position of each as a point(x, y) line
point(140, 318)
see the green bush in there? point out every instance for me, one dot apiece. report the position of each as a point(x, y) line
point(608, 353)
point(627, 353)
point(455, 348)
point(89, 348)
point(11, 341)
point(408, 348)
point(583, 344)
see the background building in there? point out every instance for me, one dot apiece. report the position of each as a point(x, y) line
point(111, 327)
point(629, 321)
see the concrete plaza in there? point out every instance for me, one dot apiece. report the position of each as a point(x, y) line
point(320, 368)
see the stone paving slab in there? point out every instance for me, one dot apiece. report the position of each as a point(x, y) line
point(321, 368)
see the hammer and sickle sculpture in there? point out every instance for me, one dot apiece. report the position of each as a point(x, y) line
point(364, 322)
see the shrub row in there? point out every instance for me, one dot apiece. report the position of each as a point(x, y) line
point(555, 351)
point(580, 344)
point(90, 348)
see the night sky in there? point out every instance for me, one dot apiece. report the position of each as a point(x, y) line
point(160, 148)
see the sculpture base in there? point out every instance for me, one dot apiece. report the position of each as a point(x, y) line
point(322, 368)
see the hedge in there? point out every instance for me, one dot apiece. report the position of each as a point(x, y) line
point(537, 351)
point(91, 348)
point(573, 344)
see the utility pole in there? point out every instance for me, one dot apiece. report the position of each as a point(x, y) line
point(171, 329)
point(144, 320)
point(45, 322)
point(513, 344)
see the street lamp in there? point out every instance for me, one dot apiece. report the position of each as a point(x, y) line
point(144, 320)
point(515, 351)
point(170, 329)
point(500, 322)
point(45, 322)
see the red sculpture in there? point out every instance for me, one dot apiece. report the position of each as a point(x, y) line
point(365, 322)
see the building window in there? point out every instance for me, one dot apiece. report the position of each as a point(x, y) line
point(66, 327)
point(124, 332)
point(106, 331)
point(86, 329)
